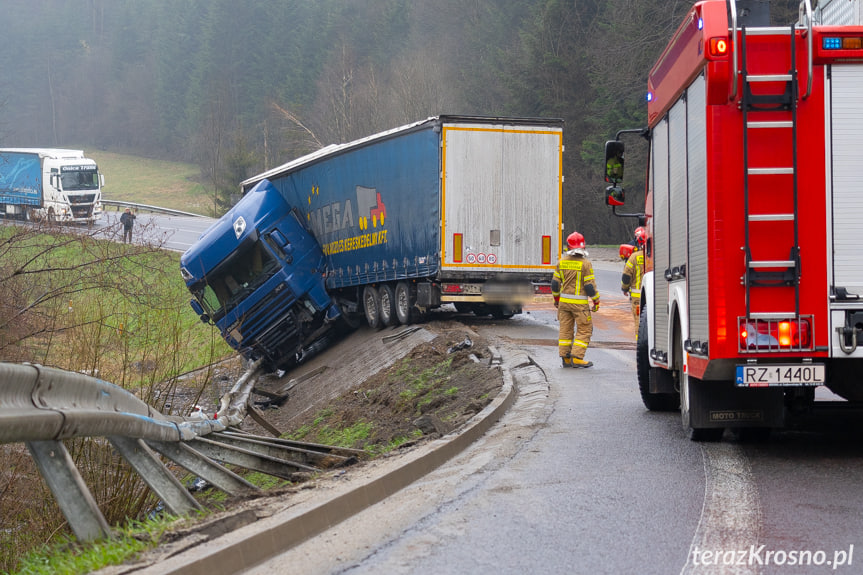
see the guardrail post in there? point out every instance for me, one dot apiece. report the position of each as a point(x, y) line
point(75, 501)
point(203, 467)
point(177, 499)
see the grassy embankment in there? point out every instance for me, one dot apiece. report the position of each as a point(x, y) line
point(174, 185)
point(100, 307)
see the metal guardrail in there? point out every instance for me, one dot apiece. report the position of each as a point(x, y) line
point(41, 406)
point(148, 207)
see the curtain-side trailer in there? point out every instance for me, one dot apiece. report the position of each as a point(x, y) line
point(48, 183)
point(451, 209)
point(754, 285)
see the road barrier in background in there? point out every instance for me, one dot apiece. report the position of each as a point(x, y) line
point(122, 205)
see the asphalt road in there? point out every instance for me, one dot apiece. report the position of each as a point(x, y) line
point(585, 480)
point(175, 233)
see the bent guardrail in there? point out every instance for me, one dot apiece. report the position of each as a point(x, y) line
point(41, 406)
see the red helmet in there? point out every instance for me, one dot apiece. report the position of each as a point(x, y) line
point(640, 235)
point(575, 240)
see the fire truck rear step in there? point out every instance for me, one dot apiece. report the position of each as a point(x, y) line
point(771, 217)
point(771, 124)
point(772, 264)
point(770, 171)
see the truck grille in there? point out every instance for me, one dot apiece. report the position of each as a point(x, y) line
point(82, 211)
point(273, 339)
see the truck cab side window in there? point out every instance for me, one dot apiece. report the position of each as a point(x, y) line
point(281, 246)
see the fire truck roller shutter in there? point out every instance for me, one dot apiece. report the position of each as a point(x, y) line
point(696, 264)
point(846, 85)
point(659, 159)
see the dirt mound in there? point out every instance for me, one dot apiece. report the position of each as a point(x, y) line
point(436, 387)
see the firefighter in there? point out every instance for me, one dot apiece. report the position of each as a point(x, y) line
point(575, 296)
point(633, 271)
point(614, 168)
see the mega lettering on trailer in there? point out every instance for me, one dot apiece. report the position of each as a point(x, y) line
point(48, 183)
point(752, 296)
point(451, 209)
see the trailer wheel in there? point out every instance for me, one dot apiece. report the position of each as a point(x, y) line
point(388, 305)
point(504, 311)
point(404, 302)
point(652, 401)
point(462, 307)
point(372, 306)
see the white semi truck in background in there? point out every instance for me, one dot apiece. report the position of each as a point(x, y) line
point(50, 184)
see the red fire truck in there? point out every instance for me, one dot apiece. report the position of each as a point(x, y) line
point(753, 294)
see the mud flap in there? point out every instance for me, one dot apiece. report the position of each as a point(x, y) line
point(428, 295)
point(715, 404)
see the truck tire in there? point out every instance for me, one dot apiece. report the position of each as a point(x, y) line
point(387, 298)
point(462, 307)
point(652, 401)
point(504, 311)
point(404, 303)
point(372, 306)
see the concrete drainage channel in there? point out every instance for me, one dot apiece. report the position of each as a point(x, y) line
point(248, 537)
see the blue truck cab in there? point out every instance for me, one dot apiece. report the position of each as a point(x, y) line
point(258, 275)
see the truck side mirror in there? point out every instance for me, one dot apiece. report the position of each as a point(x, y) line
point(614, 161)
point(199, 309)
point(614, 196)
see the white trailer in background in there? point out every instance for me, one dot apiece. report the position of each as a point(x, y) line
point(48, 183)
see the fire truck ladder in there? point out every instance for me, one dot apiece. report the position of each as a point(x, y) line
point(770, 273)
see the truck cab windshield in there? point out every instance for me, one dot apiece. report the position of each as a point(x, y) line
point(80, 180)
point(233, 280)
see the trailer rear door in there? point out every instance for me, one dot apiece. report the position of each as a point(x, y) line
point(501, 196)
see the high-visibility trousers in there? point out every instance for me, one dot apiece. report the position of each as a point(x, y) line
point(636, 312)
point(571, 315)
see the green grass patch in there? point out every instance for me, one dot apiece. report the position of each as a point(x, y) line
point(322, 431)
point(376, 450)
point(68, 557)
point(175, 185)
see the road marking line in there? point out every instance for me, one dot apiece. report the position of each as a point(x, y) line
point(731, 513)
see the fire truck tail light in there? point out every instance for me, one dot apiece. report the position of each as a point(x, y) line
point(718, 46)
point(842, 43)
point(542, 289)
point(775, 335)
point(451, 288)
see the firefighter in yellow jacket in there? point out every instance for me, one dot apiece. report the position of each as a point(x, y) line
point(633, 271)
point(575, 296)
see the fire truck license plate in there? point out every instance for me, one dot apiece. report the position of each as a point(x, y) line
point(779, 375)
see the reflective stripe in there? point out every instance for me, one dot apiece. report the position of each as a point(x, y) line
point(634, 294)
point(588, 278)
point(580, 343)
point(573, 298)
point(566, 342)
point(570, 264)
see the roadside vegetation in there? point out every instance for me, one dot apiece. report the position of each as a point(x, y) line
point(117, 312)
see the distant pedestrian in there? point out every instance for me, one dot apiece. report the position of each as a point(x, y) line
point(128, 220)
